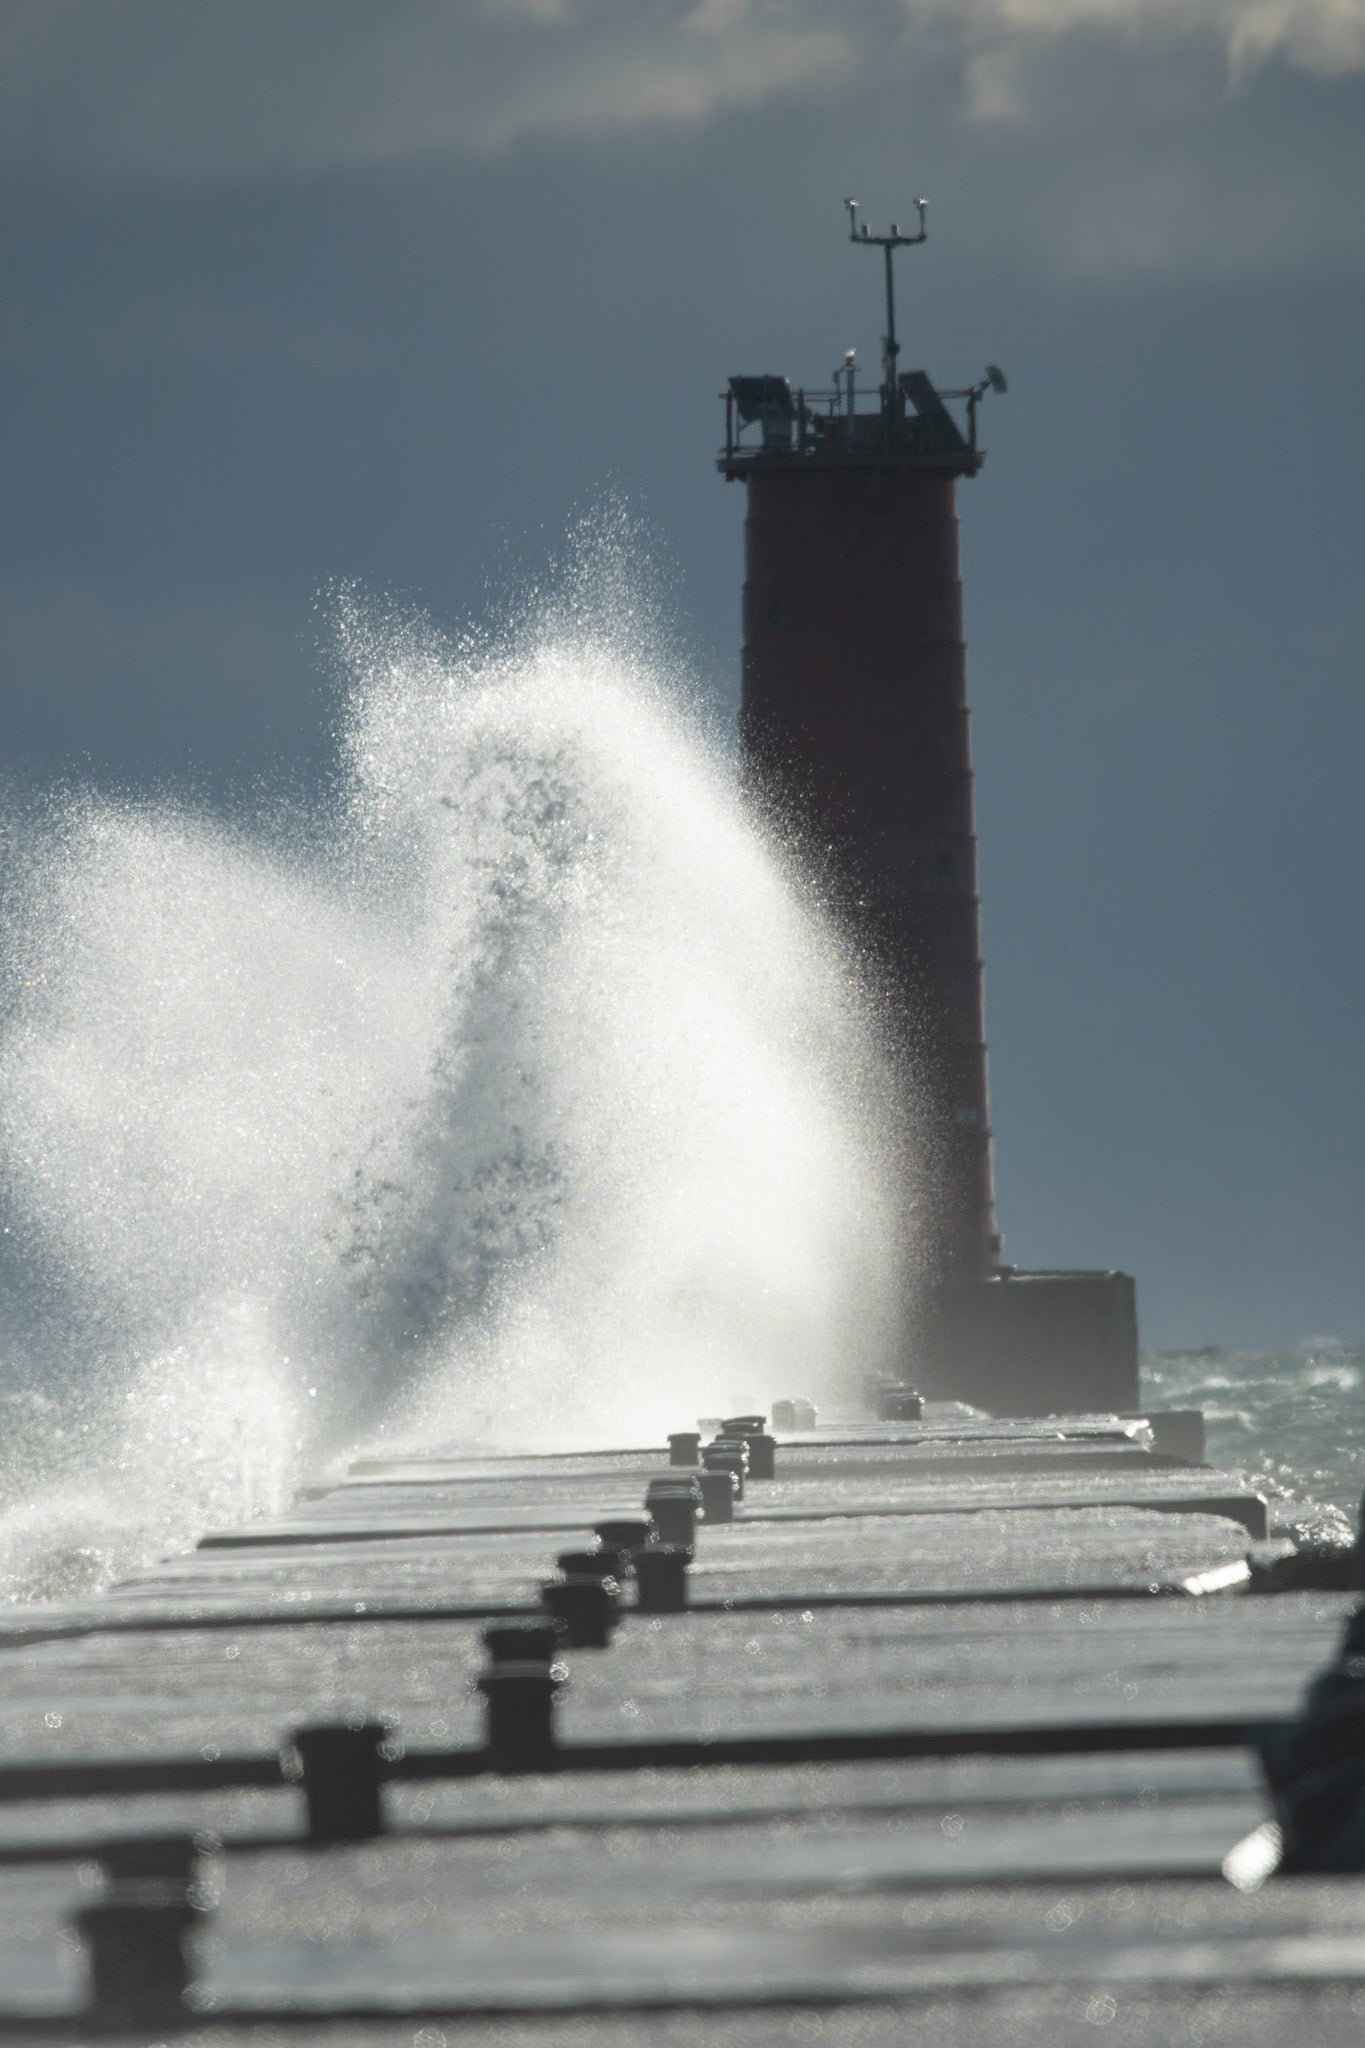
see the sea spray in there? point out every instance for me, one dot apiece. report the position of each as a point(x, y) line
point(521, 1096)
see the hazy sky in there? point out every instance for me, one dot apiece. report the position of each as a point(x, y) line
point(301, 289)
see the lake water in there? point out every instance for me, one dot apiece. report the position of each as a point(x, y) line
point(1290, 1419)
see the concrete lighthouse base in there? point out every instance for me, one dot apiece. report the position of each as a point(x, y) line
point(1030, 1343)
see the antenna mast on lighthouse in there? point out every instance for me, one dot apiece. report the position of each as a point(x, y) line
point(888, 244)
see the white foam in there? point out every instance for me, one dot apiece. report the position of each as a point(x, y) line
point(521, 1098)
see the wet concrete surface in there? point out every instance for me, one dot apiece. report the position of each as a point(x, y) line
point(950, 1578)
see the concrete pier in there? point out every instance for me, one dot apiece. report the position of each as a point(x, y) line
point(948, 1734)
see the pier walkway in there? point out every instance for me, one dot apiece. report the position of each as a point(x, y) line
point(946, 1734)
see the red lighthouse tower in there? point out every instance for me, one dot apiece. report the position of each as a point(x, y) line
point(855, 723)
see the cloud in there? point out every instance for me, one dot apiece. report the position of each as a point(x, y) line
point(1150, 134)
point(1326, 36)
point(222, 89)
point(1003, 39)
point(240, 88)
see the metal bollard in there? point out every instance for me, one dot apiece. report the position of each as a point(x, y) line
point(519, 1715)
point(673, 1484)
point(762, 1457)
point(793, 1415)
point(724, 1458)
point(718, 1493)
point(674, 1513)
point(604, 1564)
point(661, 1578)
point(683, 1447)
point(898, 1402)
point(525, 1642)
point(341, 1768)
point(137, 1936)
point(623, 1536)
point(587, 1605)
point(137, 1949)
point(170, 1862)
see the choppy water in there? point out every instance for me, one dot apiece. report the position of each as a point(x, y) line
point(1294, 1420)
point(516, 1090)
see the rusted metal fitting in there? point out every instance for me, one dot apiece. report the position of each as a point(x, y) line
point(341, 1769)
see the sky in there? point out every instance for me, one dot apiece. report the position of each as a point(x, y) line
point(389, 290)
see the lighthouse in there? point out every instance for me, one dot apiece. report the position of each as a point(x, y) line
point(855, 730)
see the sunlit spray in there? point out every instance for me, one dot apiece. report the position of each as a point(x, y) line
point(522, 1097)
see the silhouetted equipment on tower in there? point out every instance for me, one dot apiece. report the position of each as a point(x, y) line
point(854, 722)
